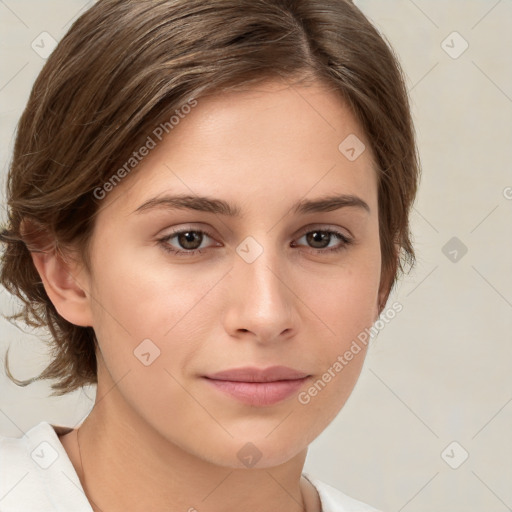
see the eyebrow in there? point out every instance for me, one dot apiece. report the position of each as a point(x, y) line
point(219, 206)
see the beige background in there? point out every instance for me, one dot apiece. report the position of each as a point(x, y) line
point(441, 370)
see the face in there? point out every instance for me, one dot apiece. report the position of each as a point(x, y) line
point(179, 294)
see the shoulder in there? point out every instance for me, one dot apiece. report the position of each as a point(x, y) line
point(334, 500)
point(36, 473)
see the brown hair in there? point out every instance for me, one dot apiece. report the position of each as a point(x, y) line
point(125, 65)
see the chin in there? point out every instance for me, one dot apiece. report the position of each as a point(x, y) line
point(258, 451)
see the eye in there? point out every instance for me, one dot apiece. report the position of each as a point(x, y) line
point(320, 240)
point(189, 241)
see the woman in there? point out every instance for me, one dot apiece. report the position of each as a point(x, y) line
point(208, 206)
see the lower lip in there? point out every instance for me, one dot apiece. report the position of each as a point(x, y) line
point(259, 393)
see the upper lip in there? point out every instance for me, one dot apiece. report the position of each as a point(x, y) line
point(252, 374)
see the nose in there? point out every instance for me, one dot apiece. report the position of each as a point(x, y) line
point(261, 304)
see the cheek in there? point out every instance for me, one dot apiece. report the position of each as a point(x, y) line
point(136, 301)
point(347, 307)
point(347, 313)
point(138, 290)
point(345, 299)
point(350, 304)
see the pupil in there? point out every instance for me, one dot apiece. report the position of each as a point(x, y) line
point(319, 237)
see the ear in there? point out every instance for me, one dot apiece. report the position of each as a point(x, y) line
point(65, 281)
point(60, 278)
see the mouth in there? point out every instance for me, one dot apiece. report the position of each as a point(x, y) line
point(258, 387)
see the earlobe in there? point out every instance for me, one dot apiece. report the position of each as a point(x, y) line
point(68, 295)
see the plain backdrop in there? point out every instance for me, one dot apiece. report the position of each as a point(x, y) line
point(428, 426)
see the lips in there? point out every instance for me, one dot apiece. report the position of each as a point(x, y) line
point(250, 374)
point(258, 387)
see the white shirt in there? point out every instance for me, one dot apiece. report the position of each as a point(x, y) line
point(36, 475)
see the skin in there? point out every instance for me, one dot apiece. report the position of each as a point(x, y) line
point(160, 435)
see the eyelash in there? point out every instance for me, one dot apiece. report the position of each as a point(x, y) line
point(187, 253)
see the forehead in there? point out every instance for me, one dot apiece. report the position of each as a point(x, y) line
point(272, 141)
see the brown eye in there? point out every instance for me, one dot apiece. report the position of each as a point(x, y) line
point(190, 239)
point(185, 242)
point(320, 240)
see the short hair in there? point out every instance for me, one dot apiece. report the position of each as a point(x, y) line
point(126, 65)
